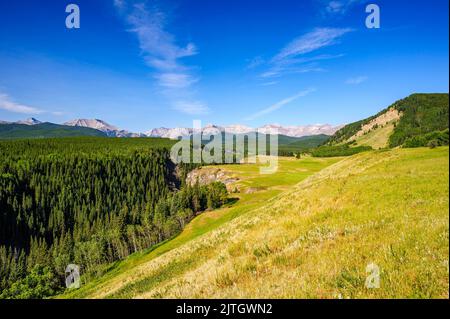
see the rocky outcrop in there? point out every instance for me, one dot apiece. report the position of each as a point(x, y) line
point(392, 115)
point(208, 175)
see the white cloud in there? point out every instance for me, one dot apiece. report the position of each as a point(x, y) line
point(162, 53)
point(280, 104)
point(159, 47)
point(256, 61)
point(269, 83)
point(287, 61)
point(312, 41)
point(335, 7)
point(278, 71)
point(191, 107)
point(356, 80)
point(120, 4)
point(175, 80)
point(340, 7)
point(6, 103)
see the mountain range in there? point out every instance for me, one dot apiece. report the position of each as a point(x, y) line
point(174, 133)
point(211, 129)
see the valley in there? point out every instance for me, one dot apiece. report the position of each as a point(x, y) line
point(310, 233)
point(372, 197)
point(224, 158)
point(268, 188)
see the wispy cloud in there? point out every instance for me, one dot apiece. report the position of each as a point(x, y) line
point(191, 107)
point(277, 71)
point(160, 49)
point(280, 104)
point(312, 41)
point(6, 103)
point(158, 46)
point(340, 7)
point(175, 80)
point(357, 80)
point(292, 59)
point(120, 4)
point(256, 61)
point(269, 83)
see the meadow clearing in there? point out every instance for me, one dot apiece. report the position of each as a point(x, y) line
point(290, 172)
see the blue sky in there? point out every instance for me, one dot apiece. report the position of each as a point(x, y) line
point(144, 64)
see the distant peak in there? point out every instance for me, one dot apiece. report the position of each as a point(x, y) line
point(275, 128)
point(29, 121)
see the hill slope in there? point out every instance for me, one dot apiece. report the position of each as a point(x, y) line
point(255, 190)
point(389, 208)
point(43, 130)
point(414, 116)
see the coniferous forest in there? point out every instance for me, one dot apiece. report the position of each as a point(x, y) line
point(87, 201)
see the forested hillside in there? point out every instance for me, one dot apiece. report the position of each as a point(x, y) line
point(13, 130)
point(420, 114)
point(288, 146)
point(88, 201)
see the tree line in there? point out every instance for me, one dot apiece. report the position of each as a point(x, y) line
point(90, 202)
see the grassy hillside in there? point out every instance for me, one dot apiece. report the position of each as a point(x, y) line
point(10, 131)
point(255, 191)
point(389, 208)
point(420, 114)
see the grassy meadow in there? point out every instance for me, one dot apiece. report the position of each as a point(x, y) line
point(311, 240)
point(290, 172)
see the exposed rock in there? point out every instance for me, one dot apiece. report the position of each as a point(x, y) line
point(208, 175)
point(391, 115)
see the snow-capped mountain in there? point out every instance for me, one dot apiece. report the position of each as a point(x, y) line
point(97, 124)
point(210, 129)
point(238, 129)
point(29, 121)
point(172, 133)
point(100, 125)
point(299, 131)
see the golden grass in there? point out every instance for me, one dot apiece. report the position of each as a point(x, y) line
point(316, 240)
point(290, 172)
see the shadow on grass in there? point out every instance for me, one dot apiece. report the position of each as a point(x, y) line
point(231, 201)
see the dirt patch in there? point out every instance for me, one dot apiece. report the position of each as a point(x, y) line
point(392, 115)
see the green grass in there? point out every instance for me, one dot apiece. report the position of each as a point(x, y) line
point(311, 240)
point(290, 172)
